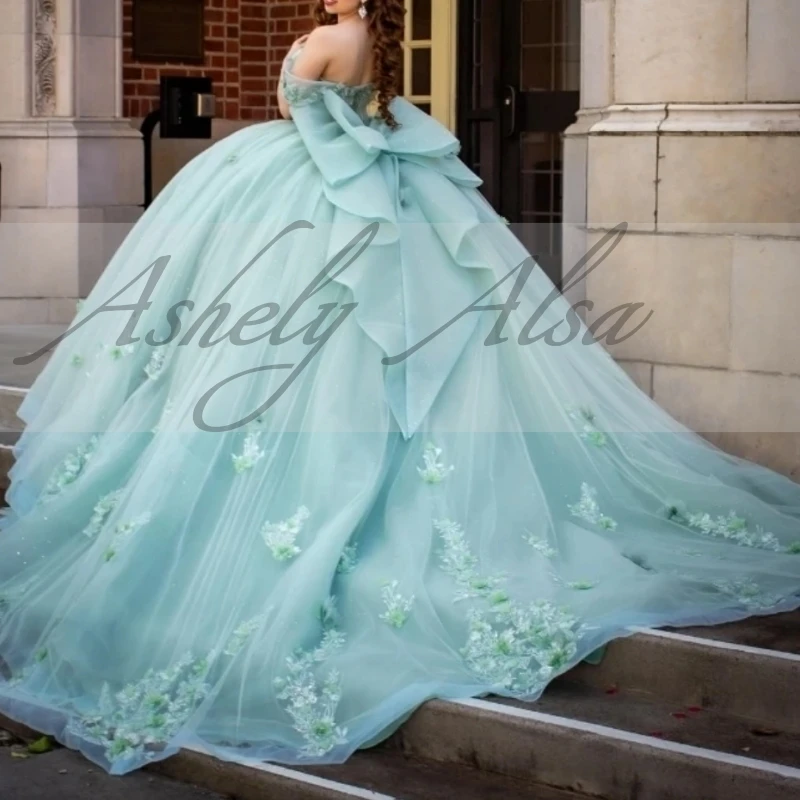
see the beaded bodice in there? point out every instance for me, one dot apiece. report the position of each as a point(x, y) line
point(301, 92)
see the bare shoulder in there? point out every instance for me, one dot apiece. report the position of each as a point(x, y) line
point(337, 36)
point(333, 51)
point(317, 51)
point(324, 37)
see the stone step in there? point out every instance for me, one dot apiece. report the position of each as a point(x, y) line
point(482, 749)
point(63, 774)
point(188, 775)
point(709, 669)
point(407, 778)
point(779, 632)
point(599, 760)
point(260, 782)
point(382, 774)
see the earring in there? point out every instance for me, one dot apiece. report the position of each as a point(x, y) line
point(362, 12)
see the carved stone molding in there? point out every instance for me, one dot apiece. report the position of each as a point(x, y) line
point(44, 58)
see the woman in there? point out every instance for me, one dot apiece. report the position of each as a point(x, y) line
point(310, 455)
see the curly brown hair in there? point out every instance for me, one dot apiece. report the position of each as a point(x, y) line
point(386, 20)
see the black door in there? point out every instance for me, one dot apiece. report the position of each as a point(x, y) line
point(519, 77)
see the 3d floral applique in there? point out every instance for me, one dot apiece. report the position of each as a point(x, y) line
point(251, 454)
point(70, 469)
point(123, 531)
point(457, 560)
point(348, 560)
point(281, 537)
point(540, 545)
point(582, 585)
point(155, 366)
point(519, 648)
point(730, 527)
point(589, 511)
point(398, 607)
point(77, 360)
point(587, 423)
point(509, 645)
point(139, 720)
point(312, 702)
point(105, 506)
point(241, 635)
point(748, 593)
point(434, 470)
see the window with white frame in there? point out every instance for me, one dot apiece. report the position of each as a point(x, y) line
point(429, 64)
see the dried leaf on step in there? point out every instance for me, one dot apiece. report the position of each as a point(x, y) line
point(43, 745)
point(19, 754)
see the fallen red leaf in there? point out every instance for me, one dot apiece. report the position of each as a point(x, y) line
point(695, 709)
point(612, 690)
point(679, 715)
point(656, 734)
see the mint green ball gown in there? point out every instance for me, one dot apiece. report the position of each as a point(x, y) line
point(391, 521)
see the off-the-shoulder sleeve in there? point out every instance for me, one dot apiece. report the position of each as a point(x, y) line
point(298, 91)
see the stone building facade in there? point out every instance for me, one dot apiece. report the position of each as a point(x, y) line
point(687, 128)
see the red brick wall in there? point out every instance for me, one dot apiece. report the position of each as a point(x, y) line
point(245, 43)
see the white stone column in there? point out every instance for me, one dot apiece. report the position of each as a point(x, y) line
point(72, 177)
point(690, 132)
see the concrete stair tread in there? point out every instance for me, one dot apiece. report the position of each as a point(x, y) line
point(587, 758)
point(390, 772)
point(68, 776)
point(779, 632)
point(637, 712)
